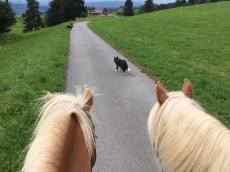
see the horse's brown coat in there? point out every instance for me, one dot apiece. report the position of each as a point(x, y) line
point(75, 153)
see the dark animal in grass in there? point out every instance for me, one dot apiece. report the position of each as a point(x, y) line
point(70, 26)
point(122, 64)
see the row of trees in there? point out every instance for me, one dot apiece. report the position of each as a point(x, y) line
point(149, 6)
point(181, 3)
point(60, 11)
point(64, 10)
point(32, 17)
point(94, 8)
point(91, 8)
point(129, 10)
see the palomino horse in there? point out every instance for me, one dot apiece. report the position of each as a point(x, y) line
point(64, 139)
point(184, 136)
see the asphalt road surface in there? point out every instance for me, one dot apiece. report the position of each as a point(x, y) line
point(121, 109)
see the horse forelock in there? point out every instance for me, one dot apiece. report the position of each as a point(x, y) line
point(45, 150)
point(186, 138)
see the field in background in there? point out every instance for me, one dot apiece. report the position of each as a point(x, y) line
point(187, 42)
point(94, 18)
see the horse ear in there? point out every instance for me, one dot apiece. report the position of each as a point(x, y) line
point(160, 93)
point(48, 96)
point(89, 103)
point(187, 88)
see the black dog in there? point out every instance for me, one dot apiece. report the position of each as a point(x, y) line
point(70, 26)
point(122, 64)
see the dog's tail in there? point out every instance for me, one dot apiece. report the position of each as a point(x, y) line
point(127, 67)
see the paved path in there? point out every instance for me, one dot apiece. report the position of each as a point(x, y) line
point(121, 110)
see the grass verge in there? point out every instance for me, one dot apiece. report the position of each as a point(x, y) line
point(170, 45)
point(30, 64)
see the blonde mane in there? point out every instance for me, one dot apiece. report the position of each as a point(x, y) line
point(51, 131)
point(186, 138)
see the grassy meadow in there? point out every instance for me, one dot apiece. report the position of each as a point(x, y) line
point(95, 18)
point(30, 64)
point(170, 45)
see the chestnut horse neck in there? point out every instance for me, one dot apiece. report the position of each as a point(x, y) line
point(75, 152)
point(64, 137)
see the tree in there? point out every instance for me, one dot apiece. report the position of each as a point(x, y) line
point(93, 8)
point(105, 10)
point(52, 15)
point(178, 3)
point(128, 9)
point(32, 16)
point(81, 9)
point(65, 10)
point(192, 2)
point(7, 17)
point(201, 1)
point(89, 8)
point(141, 9)
point(183, 2)
point(148, 6)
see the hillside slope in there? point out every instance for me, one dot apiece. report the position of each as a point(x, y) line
point(187, 42)
point(31, 63)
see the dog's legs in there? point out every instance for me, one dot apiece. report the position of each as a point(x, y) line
point(117, 68)
point(124, 72)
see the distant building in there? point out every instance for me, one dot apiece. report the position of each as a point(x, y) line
point(98, 12)
point(93, 13)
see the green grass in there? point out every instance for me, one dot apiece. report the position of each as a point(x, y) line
point(30, 64)
point(187, 42)
point(113, 13)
